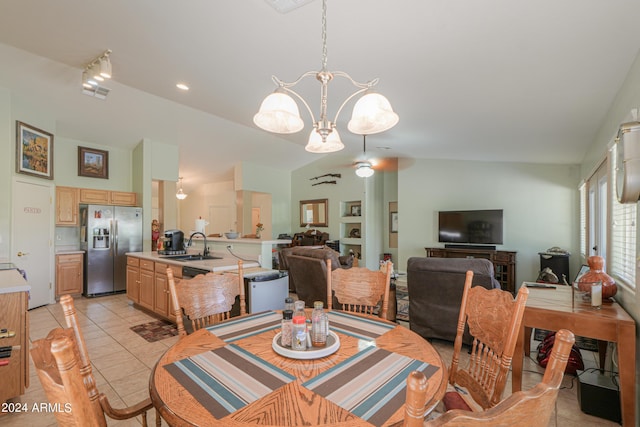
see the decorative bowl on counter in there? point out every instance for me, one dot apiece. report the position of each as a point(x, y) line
point(231, 235)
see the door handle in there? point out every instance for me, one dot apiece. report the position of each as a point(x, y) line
point(23, 253)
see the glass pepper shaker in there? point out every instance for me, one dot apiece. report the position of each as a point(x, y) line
point(287, 328)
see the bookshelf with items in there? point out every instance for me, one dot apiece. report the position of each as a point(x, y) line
point(352, 233)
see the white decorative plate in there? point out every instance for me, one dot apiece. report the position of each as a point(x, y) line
point(333, 344)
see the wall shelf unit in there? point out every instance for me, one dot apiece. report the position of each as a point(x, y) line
point(352, 230)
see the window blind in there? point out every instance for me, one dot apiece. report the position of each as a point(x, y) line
point(623, 234)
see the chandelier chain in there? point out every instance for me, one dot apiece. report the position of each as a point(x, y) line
point(324, 35)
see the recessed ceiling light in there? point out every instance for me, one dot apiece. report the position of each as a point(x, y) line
point(182, 86)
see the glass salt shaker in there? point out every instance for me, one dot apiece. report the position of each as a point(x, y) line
point(287, 328)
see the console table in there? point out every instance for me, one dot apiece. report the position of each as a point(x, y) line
point(504, 262)
point(552, 309)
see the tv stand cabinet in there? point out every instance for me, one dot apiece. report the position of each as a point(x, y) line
point(504, 262)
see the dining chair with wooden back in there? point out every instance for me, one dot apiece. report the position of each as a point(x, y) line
point(206, 299)
point(100, 402)
point(359, 289)
point(59, 366)
point(494, 318)
point(523, 408)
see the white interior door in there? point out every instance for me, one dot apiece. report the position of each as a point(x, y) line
point(32, 239)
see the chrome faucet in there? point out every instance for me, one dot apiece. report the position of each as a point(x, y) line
point(205, 252)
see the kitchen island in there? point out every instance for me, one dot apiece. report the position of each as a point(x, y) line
point(147, 283)
point(259, 249)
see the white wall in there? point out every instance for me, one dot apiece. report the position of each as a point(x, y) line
point(205, 201)
point(540, 204)
point(262, 179)
point(7, 164)
point(66, 166)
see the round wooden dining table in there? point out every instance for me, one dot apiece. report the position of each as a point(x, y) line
point(185, 395)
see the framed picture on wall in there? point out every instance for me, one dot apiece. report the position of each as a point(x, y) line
point(34, 151)
point(93, 163)
point(393, 222)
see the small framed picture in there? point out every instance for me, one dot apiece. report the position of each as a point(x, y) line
point(93, 163)
point(393, 222)
point(355, 210)
point(34, 151)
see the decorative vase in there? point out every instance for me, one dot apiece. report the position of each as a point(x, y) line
point(597, 274)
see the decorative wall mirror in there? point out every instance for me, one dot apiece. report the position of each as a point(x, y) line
point(314, 213)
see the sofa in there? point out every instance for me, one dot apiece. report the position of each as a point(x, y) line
point(308, 270)
point(435, 287)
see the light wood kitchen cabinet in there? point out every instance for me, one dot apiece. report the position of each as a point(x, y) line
point(148, 285)
point(96, 197)
point(122, 198)
point(66, 206)
point(133, 279)
point(162, 299)
point(68, 200)
point(14, 377)
point(69, 274)
point(106, 197)
point(147, 282)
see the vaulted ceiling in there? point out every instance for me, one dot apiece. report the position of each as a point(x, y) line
point(488, 80)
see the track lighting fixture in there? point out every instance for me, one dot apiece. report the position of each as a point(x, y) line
point(96, 72)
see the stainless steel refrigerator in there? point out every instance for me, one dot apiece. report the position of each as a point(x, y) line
point(107, 233)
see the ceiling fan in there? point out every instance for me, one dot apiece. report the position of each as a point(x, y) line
point(366, 166)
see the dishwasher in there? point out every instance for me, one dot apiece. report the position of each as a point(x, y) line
point(266, 290)
point(190, 272)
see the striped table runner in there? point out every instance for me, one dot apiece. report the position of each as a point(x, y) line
point(227, 379)
point(246, 326)
point(357, 326)
point(371, 384)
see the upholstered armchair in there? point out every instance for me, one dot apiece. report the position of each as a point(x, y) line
point(435, 288)
point(308, 270)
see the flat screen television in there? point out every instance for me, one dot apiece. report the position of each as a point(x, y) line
point(475, 226)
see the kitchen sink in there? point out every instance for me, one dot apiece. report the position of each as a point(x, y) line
point(191, 257)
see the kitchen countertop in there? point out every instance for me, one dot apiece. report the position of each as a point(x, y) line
point(12, 281)
point(242, 240)
point(69, 252)
point(226, 263)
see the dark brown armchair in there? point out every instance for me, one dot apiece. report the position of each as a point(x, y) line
point(435, 288)
point(308, 271)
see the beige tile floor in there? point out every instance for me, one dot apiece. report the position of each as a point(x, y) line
point(122, 362)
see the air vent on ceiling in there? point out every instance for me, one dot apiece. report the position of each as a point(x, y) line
point(99, 92)
point(284, 6)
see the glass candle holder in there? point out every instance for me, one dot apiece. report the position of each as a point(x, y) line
point(587, 295)
point(596, 295)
